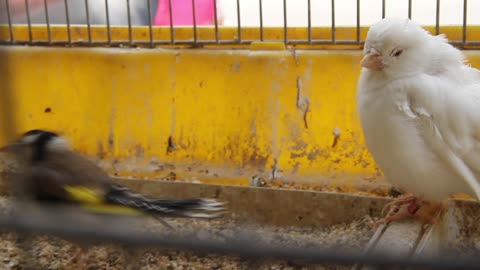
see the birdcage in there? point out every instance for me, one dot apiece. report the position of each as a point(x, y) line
point(252, 101)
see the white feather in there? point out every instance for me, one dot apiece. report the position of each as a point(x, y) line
point(421, 114)
point(58, 144)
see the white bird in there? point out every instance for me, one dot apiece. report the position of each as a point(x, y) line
point(419, 105)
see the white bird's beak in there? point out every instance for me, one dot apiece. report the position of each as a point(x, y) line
point(373, 60)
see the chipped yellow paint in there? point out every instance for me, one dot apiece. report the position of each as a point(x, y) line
point(221, 107)
point(265, 45)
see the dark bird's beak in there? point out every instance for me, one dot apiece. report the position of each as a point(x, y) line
point(11, 148)
point(373, 60)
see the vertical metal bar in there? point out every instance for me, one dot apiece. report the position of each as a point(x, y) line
point(7, 108)
point(239, 27)
point(216, 20)
point(437, 19)
point(27, 9)
point(261, 18)
point(383, 9)
point(358, 21)
point(9, 18)
point(309, 9)
point(172, 34)
point(129, 17)
point(47, 20)
point(150, 29)
point(194, 23)
point(285, 30)
point(87, 12)
point(67, 15)
point(464, 27)
point(107, 16)
point(333, 21)
point(410, 9)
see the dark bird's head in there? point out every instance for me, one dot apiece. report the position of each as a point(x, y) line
point(34, 145)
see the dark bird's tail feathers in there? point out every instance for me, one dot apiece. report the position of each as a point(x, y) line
point(195, 208)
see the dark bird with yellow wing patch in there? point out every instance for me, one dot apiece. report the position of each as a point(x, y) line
point(55, 174)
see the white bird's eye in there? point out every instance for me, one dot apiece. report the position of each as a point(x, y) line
point(396, 52)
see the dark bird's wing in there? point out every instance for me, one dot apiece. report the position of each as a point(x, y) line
point(195, 208)
point(69, 177)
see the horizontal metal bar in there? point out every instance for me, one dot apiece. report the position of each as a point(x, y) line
point(63, 222)
point(180, 42)
point(205, 42)
point(134, 43)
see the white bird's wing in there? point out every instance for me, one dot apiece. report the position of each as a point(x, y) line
point(448, 116)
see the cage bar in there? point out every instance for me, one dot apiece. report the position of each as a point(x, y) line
point(150, 23)
point(260, 8)
point(129, 18)
point(107, 17)
point(216, 20)
point(383, 9)
point(285, 29)
point(194, 17)
point(464, 25)
point(47, 21)
point(87, 13)
point(27, 10)
point(437, 18)
point(289, 37)
point(239, 25)
point(358, 21)
point(410, 9)
point(170, 13)
point(333, 21)
point(309, 10)
point(9, 19)
point(67, 17)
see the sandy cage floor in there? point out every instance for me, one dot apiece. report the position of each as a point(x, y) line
point(42, 252)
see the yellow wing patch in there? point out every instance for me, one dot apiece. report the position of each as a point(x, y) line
point(93, 200)
point(83, 194)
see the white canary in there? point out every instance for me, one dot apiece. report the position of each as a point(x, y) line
point(419, 105)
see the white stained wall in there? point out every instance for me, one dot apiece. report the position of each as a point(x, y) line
point(423, 11)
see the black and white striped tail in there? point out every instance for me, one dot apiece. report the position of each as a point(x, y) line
point(194, 208)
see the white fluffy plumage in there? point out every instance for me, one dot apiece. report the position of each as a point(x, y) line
point(419, 105)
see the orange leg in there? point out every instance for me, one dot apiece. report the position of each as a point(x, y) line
point(411, 207)
point(428, 213)
point(397, 213)
point(409, 199)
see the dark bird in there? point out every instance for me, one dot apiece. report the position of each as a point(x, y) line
point(54, 173)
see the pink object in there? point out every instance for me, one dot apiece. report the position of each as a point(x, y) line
point(182, 12)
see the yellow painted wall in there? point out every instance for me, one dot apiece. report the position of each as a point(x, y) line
point(237, 109)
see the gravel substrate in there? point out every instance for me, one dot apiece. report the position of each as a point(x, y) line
point(42, 252)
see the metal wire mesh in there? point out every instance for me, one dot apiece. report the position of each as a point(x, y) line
point(14, 33)
point(84, 23)
point(65, 222)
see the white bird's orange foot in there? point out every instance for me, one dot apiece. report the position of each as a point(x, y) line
point(410, 206)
